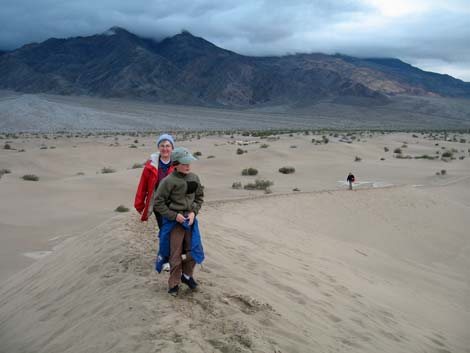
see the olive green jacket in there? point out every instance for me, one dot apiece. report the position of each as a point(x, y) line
point(179, 193)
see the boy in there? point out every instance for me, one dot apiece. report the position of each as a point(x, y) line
point(178, 199)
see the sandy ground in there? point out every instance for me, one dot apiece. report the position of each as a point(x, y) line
point(383, 268)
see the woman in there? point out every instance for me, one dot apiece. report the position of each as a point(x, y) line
point(157, 167)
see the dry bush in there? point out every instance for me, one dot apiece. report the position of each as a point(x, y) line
point(447, 154)
point(121, 208)
point(259, 184)
point(425, 156)
point(249, 171)
point(236, 185)
point(286, 170)
point(30, 177)
point(138, 165)
point(107, 170)
point(4, 171)
point(357, 159)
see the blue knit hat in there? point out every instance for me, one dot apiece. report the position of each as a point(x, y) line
point(166, 137)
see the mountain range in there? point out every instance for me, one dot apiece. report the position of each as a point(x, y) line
point(185, 69)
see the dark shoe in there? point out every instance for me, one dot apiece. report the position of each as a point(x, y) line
point(174, 291)
point(191, 283)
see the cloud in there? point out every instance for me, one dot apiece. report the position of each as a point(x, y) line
point(420, 31)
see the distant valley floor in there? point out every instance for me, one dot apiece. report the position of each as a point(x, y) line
point(47, 113)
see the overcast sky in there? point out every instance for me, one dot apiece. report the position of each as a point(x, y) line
point(433, 35)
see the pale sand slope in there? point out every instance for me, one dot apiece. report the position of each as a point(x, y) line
point(35, 216)
point(382, 270)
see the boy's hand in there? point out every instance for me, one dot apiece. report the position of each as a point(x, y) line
point(190, 218)
point(180, 218)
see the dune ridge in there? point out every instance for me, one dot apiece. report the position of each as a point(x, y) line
point(323, 271)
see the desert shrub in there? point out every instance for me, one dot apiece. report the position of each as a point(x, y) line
point(240, 151)
point(424, 156)
point(295, 189)
point(293, 146)
point(30, 177)
point(136, 141)
point(357, 159)
point(259, 184)
point(401, 156)
point(4, 171)
point(198, 154)
point(462, 158)
point(132, 146)
point(107, 170)
point(286, 170)
point(397, 150)
point(137, 165)
point(121, 208)
point(249, 171)
point(447, 154)
point(264, 145)
point(22, 150)
point(211, 156)
point(80, 173)
point(325, 139)
point(7, 146)
point(43, 148)
point(463, 140)
point(386, 149)
point(443, 172)
point(236, 185)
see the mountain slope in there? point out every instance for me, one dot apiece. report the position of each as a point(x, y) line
point(185, 69)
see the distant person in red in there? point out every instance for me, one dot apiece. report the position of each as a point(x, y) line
point(350, 179)
point(157, 167)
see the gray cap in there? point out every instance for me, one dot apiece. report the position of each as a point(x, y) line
point(182, 155)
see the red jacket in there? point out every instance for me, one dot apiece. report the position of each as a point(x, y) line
point(148, 182)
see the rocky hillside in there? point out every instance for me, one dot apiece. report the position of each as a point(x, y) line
point(185, 69)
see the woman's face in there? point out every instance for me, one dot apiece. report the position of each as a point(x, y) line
point(165, 149)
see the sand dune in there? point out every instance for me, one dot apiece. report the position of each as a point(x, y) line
point(323, 269)
point(329, 273)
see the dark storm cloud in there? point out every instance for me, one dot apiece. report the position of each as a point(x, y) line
point(422, 31)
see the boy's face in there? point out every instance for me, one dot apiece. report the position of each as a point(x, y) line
point(183, 168)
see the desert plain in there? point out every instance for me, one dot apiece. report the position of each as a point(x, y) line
point(304, 266)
